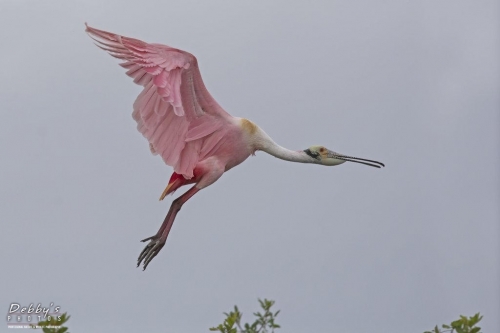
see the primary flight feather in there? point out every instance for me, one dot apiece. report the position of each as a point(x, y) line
point(188, 128)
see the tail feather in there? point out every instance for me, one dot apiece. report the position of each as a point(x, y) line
point(176, 181)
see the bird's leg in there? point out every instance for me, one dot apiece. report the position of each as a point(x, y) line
point(158, 241)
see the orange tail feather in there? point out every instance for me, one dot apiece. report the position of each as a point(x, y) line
point(176, 181)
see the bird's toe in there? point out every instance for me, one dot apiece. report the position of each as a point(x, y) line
point(150, 251)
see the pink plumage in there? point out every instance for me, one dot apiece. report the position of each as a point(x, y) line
point(174, 108)
point(186, 126)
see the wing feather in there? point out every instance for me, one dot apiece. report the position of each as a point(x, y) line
point(175, 112)
point(210, 142)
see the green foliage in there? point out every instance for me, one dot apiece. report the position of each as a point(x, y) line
point(462, 325)
point(46, 324)
point(263, 324)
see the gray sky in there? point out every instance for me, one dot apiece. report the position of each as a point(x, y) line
point(414, 84)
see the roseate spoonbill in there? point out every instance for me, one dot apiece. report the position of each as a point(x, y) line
point(188, 128)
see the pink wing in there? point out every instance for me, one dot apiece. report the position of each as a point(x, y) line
point(175, 112)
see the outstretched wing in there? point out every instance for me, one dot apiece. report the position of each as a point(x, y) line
point(175, 112)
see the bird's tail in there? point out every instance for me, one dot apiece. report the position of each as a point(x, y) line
point(176, 181)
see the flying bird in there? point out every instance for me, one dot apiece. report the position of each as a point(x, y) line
point(188, 128)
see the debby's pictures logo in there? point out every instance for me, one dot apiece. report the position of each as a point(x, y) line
point(20, 316)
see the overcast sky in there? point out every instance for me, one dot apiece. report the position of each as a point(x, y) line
point(414, 84)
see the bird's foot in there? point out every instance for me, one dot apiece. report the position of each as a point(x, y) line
point(150, 251)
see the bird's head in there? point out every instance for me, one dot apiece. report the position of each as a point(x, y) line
point(324, 156)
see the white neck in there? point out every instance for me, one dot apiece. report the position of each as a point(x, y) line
point(287, 154)
point(267, 145)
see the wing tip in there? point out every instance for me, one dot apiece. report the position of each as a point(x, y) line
point(88, 28)
point(92, 32)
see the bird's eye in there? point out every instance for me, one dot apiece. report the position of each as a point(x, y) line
point(322, 150)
